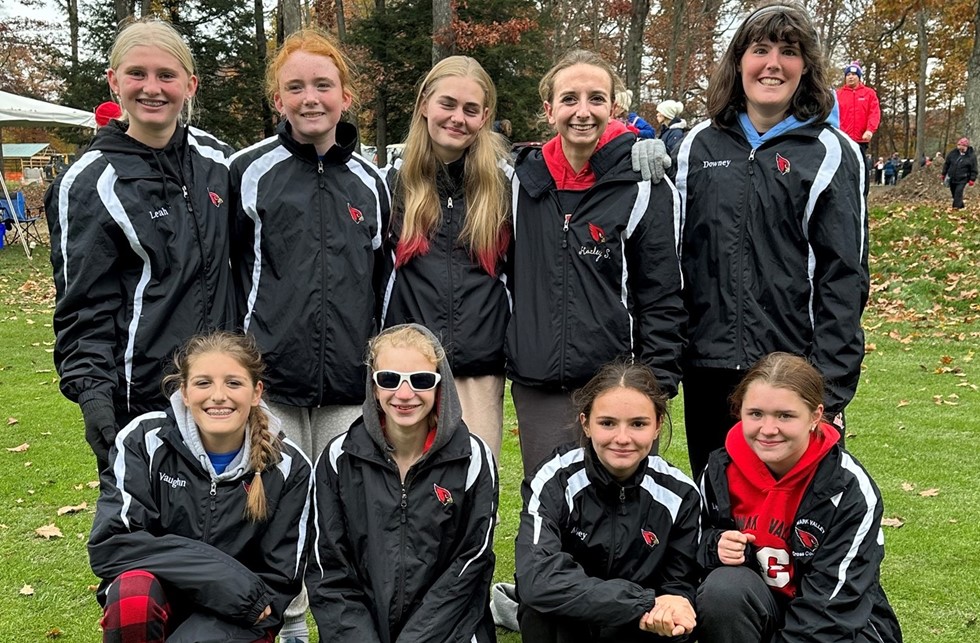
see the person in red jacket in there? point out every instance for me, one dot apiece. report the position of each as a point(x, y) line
point(859, 111)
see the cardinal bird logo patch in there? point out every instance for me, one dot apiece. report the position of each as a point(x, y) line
point(215, 199)
point(650, 538)
point(355, 214)
point(782, 163)
point(807, 539)
point(442, 495)
point(598, 234)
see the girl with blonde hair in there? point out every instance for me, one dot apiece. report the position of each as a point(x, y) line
point(450, 232)
point(139, 238)
point(200, 529)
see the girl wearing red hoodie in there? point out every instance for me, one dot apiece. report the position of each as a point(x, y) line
point(594, 264)
point(790, 522)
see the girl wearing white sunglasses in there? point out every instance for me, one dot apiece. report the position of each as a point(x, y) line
point(405, 507)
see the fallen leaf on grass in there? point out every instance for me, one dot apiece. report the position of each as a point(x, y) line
point(19, 449)
point(892, 522)
point(27, 590)
point(937, 400)
point(78, 487)
point(94, 484)
point(54, 633)
point(870, 348)
point(73, 510)
point(93, 588)
point(48, 532)
point(12, 421)
point(902, 403)
point(908, 486)
point(929, 493)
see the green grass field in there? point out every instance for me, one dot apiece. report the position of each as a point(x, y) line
point(913, 425)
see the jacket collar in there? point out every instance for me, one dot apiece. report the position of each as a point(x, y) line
point(609, 162)
point(346, 141)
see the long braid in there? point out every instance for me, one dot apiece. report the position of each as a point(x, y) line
point(264, 452)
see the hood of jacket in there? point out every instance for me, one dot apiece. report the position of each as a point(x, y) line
point(192, 439)
point(449, 413)
point(344, 145)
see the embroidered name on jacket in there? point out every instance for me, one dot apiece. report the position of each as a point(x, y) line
point(173, 482)
point(599, 236)
point(724, 163)
point(156, 214)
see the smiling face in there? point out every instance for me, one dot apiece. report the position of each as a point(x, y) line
point(622, 427)
point(312, 98)
point(220, 395)
point(455, 111)
point(777, 424)
point(152, 86)
point(580, 107)
point(405, 409)
point(771, 73)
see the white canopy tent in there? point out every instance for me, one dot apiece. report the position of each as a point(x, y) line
point(19, 111)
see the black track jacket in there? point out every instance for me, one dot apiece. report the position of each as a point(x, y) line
point(775, 251)
point(598, 283)
point(593, 550)
point(408, 562)
point(307, 259)
point(139, 246)
point(837, 545)
point(163, 510)
point(447, 290)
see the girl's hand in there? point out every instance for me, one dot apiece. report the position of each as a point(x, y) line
point(732, 545)
point(266, 613)
point(671, 616)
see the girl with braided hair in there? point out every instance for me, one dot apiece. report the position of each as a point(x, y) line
point(200, 529)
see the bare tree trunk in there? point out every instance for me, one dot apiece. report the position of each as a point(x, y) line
point(124, 9)
point(381, 108)
point(634, 48)
point(146, 6)
point(262, 54)
point(677, 41)
point(920, 91)
point(292, 16)
point(972, 95)
point(443, 39)
point(341, 23)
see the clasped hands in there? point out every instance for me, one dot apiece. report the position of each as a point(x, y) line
point(671, 616)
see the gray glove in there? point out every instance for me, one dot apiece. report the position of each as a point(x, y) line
point(650, 159)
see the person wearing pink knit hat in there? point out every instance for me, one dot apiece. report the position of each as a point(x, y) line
point(960, 170)
point(106, 112)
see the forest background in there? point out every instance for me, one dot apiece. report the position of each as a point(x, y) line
point(917, 55)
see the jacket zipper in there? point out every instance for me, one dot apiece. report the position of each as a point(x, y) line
point(205, 256)
point(403, 522)
point(740, 254)
point(564, 298)
point(323, 281)
point(621, 510)
point(451, 237)
point(207, 517)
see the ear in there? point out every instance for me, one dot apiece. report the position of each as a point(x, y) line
point(584, 421)
point(192, 86)
point(277, 101)
point(658, 425)
point(183, 395)
point(486, 114)
point(348, 100)
point(817, 414)
point(549, 113)
point(113, 81)
point(257, 393)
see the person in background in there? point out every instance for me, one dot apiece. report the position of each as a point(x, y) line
point(891, 169)
point(449, 235)
point(607, 544)
point(860, 113)
point(672, 126)
point(107, 111)
point(200, 529)
point(960, 170)
point(775, 242)
point(632, 120)
point(790, 525)
point(405, 508)
point(505, 129)
point(595, 266)
point(139, 238)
